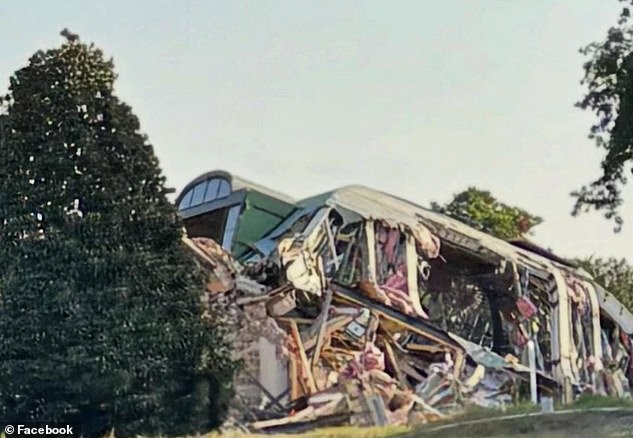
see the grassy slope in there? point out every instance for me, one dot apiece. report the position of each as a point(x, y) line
point(516, 422)
point(564, 425)
point(523, 421)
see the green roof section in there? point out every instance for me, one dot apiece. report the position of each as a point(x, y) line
point(236, 212)
point(261, 213)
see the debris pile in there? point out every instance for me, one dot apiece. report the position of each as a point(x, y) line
point(351, 357)
point(364, 309)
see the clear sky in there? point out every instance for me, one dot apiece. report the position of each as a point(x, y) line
point(418, 98)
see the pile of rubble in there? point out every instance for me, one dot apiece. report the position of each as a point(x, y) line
point(351, 357)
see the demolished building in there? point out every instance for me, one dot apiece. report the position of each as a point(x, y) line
point(360, 307)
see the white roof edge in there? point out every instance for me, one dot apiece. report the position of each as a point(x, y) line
point(614, 309)
point(434, 220)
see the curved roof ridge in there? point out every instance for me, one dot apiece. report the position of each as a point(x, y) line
point(367, 198)
point(237, 183)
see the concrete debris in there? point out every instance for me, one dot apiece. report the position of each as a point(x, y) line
point(362, 308)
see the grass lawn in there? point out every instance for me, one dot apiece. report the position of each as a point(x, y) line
point(594, 417)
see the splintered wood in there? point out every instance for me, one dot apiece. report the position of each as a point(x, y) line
point(354, 352)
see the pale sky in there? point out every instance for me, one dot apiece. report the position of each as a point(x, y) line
point(417, 98)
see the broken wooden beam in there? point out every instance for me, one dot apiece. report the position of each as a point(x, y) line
point(305, 365)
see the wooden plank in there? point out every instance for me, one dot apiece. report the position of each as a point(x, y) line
point(305, 365)
point(427, 407)
point(202, 256)
point(459, 364)
point(372, 327)
point(288, 319)
point(333, 325)
point(295, 385)
point(391, 357)
point(264, 424)
point(408, 369)
point(433, 349)
point(332, 244)
point(323, 321)
point(412, 276)
point(371, 249)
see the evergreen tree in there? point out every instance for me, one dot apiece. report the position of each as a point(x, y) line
point(99, 300)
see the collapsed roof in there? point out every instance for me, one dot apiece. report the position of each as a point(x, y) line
point(373, 291)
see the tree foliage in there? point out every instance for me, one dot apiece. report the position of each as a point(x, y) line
point(615, 275)
point(609, 81)
point(100, 316)
point(479, 209)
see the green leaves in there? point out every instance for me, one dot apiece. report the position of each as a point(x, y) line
point(609, 81)
point(481, 210)
point(615, 275)
point(100, 311)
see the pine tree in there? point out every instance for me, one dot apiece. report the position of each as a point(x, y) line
point(99, 300)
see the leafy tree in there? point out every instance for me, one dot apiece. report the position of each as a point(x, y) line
point(100, 315)
point(481, 210)
point(609, 81)
point(615, 275)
